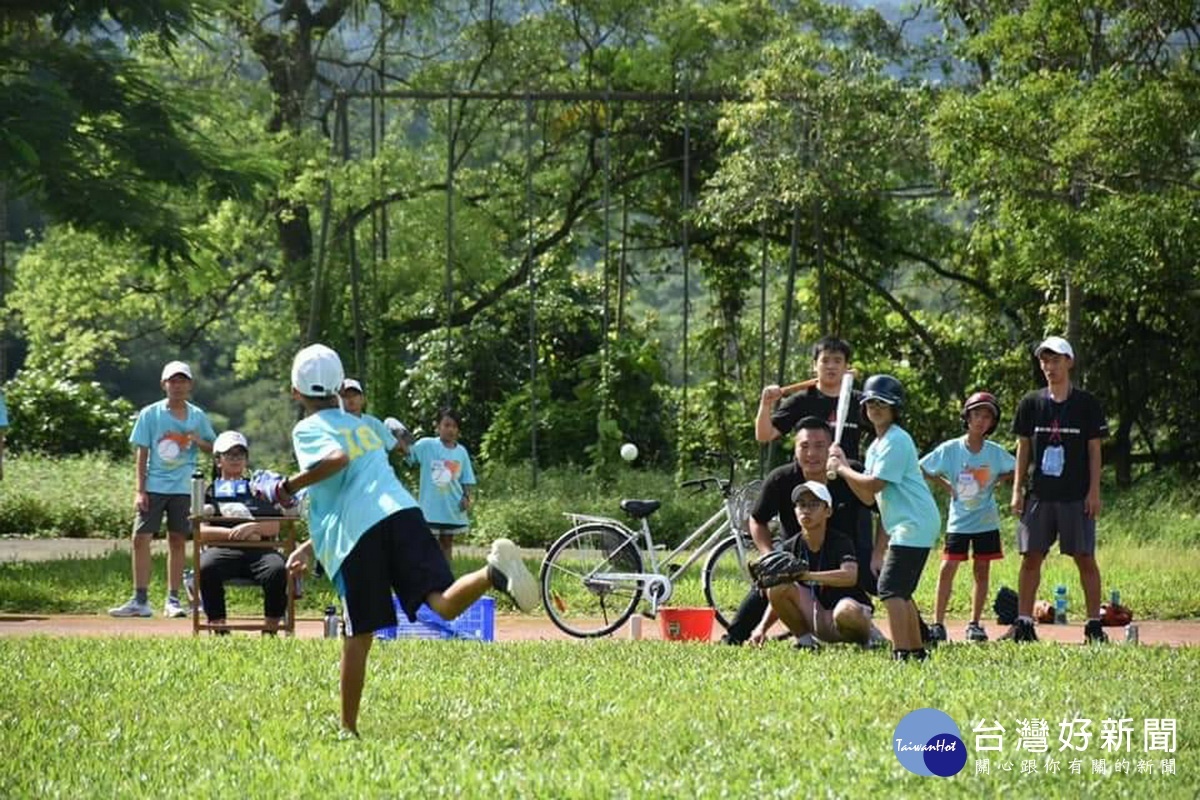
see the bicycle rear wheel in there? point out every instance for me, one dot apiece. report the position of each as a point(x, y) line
point(726, 578)
point(581, 587)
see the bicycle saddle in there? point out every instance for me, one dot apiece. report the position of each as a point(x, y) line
point(639, 509)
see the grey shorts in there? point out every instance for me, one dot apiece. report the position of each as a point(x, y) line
point(1064, 520)
point(178, 508)
point(901, 571)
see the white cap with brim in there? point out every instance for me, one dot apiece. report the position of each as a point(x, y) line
point(818, 490)
point(229, 440)
point(1056, 344)
point(352, 385)
point(176, 368)
point(317, 371)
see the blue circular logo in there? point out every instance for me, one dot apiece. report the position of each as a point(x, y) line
point(927, 742)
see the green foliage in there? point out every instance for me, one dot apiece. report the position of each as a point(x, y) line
point(78, 496)
point(52, 414)
point(91, 136)
point(135, 715)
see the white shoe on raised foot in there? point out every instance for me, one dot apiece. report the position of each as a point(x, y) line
point(510, 575)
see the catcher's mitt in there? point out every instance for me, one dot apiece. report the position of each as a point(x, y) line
point(777, 567)
point(1005, 606)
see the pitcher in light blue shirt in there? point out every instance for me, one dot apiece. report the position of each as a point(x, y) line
point(366, 528)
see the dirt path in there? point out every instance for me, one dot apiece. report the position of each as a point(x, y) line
point(509, 628)
point(513, 628)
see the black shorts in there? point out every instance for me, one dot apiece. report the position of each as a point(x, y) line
point(1044, 521)
point(901, 571)
point(986, 546)
point(398, 555)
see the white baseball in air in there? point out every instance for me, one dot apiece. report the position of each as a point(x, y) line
point(629, 451)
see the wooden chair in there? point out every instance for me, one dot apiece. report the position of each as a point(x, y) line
point(286, 543)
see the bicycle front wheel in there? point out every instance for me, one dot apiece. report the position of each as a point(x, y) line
point(588, 583)
point(726, 578)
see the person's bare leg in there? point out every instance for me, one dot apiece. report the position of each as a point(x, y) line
point(141, 560)
point(901, 616)
point(945, 585)
point(983, 571)
point(793, 603)
point(446, 542)
point(176, 557)
point(355, 650)
point(1028, 581)
point(1089, 578)
point(460, 594)
point(851, 623)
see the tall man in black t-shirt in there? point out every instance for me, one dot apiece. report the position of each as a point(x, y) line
point(849, 515)
point(1059, 432)
point(818, 398)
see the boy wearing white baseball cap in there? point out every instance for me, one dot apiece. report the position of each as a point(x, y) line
point(366, 528)
point(1056, 487)
point(167, 435)
point(828, 605)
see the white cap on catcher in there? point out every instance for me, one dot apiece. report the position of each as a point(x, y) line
point(317, 371)
point(818, 490)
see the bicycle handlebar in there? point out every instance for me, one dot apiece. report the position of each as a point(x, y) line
point(700, 483)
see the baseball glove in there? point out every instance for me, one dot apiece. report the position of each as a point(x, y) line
point(1005, 606)
point(777, 567)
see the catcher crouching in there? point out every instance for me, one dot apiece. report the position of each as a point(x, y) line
point(812, 582)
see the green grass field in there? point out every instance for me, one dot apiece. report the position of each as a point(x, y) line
point(245, 717)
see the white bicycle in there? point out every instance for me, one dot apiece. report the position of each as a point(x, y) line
point(595, 574)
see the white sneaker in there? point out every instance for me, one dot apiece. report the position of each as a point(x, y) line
point(806, 642)
point(131, 608)
point(174, 609)
point(510, 575)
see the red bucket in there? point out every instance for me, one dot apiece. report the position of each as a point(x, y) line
point(686, 624)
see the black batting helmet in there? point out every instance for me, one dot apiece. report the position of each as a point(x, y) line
point(885, 389)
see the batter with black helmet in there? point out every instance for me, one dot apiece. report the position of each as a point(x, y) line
point(969, 467)
point(911, 521)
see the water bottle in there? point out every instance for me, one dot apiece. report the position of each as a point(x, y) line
point(1060, 605)
point(197, 493)
point(331, 622)
point(1114, 598)
point(189, 585)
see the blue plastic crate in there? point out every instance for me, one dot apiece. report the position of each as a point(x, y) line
point(477, 623)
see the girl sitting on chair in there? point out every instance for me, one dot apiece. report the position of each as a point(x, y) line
point(230, 500)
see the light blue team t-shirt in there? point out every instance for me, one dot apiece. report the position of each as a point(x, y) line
point(172, 454)
point(910, 515)
point(973, 476)
point(3, 411)
point(444, 472)
point(344, 506)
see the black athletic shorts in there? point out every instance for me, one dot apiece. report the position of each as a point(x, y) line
point(397, 554)
point(986, 546)
point(901, 571)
